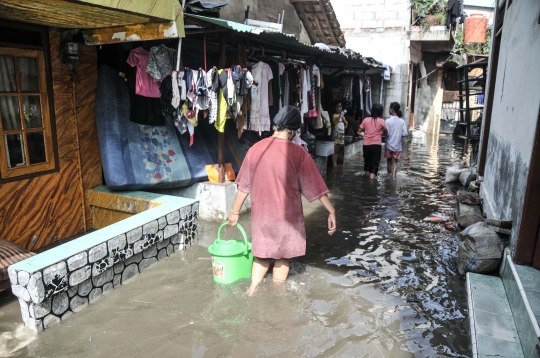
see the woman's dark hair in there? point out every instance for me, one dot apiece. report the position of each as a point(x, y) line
point(288, 118)
point(376, 110)
point(396, 108)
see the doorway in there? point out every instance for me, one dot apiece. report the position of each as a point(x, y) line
point(528, 242)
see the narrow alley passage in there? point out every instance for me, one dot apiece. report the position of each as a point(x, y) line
point(384, 285)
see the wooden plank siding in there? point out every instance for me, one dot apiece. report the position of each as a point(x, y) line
point(53, 205)
point(85, 101)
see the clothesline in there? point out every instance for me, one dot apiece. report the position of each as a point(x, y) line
point(162, 90)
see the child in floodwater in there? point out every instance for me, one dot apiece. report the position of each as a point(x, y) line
point(397, 129)
point(339, 123)
point(277, 172)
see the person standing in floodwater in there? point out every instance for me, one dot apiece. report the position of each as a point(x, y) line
point(277, 172)
point(396, 129)
point(374, 128)
point(339, 123)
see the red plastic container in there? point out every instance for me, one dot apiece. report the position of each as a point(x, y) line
point(475, 29)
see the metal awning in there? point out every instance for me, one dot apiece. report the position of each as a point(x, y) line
point(271, 39)
point(95, 14)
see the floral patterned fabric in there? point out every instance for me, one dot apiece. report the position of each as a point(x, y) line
point(136, 156)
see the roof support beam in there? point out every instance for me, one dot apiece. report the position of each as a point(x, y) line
point(303, 16)
point(325, 15)
point(129, 33)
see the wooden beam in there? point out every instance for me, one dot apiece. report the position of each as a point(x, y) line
point(321, 30)
point(60, 13)
point(128, 33)
point(325, 15)
point(303, 17)
point(162, 9)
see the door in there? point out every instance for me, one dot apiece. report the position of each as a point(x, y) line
point(528, 242)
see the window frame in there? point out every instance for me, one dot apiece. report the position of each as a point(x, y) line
point(42, 56)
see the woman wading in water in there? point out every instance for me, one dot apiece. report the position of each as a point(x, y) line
point(277, 172)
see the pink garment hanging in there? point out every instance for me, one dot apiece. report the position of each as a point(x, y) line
point(145, 85)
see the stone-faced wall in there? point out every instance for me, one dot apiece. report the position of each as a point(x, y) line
point(55, 292)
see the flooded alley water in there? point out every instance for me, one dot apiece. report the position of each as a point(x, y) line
point(385, 285)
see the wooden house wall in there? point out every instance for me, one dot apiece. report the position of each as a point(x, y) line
point(35, 212)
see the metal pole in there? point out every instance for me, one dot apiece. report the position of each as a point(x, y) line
point(179, 51)
point(221, 136)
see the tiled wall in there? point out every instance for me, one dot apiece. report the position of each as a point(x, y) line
point(54, 293)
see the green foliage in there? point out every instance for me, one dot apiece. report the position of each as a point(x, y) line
point(487, 45)
point(423, 8)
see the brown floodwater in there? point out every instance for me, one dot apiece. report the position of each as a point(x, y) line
point(385, 285)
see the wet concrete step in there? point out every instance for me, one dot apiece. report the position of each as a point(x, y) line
point(492, 327)
point(522, 287)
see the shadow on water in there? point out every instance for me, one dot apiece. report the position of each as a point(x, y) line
point(384, 285)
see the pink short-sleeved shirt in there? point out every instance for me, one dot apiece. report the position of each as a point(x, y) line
point(373, 129)
point(145, 85)
point(277, 172)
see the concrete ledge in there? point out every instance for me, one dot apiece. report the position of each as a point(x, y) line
point(51, 286)
point(492, 326)
point(431, 33)
point(527, 326)
point(350, 150)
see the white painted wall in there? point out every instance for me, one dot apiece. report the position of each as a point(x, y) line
point(489, 13)
point(515, 104)
point(375, 28)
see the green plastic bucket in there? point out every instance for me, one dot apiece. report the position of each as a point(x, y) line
point(231, 259)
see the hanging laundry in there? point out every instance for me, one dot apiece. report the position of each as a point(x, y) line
point(145, 84)
point(281, 84)
point(260, 116)
point(162, 62)
point(190, 121)
point(191, 81)
point(305, 100)
point(367, 84)
point(212, 84)
point(361, 91)
point(286, 90)
point(201, 90)
point(143, 110)
point(222, 107)
point(180, 122)
point(317, 73)
point(166, 88)
point(313, 103)
point(387, 72)
point(182, 85)
point(318, 122)
point(176, 90)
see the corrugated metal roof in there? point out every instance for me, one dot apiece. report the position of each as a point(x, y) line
point(236, 26)
point(281, 39)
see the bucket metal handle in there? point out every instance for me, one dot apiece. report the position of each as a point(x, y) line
point(241, 230)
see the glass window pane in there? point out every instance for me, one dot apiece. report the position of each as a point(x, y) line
point(32, 111)
point(8, 82)
point(29, 74)
point(14, 150)
point(36, 147)
point(9, 111)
